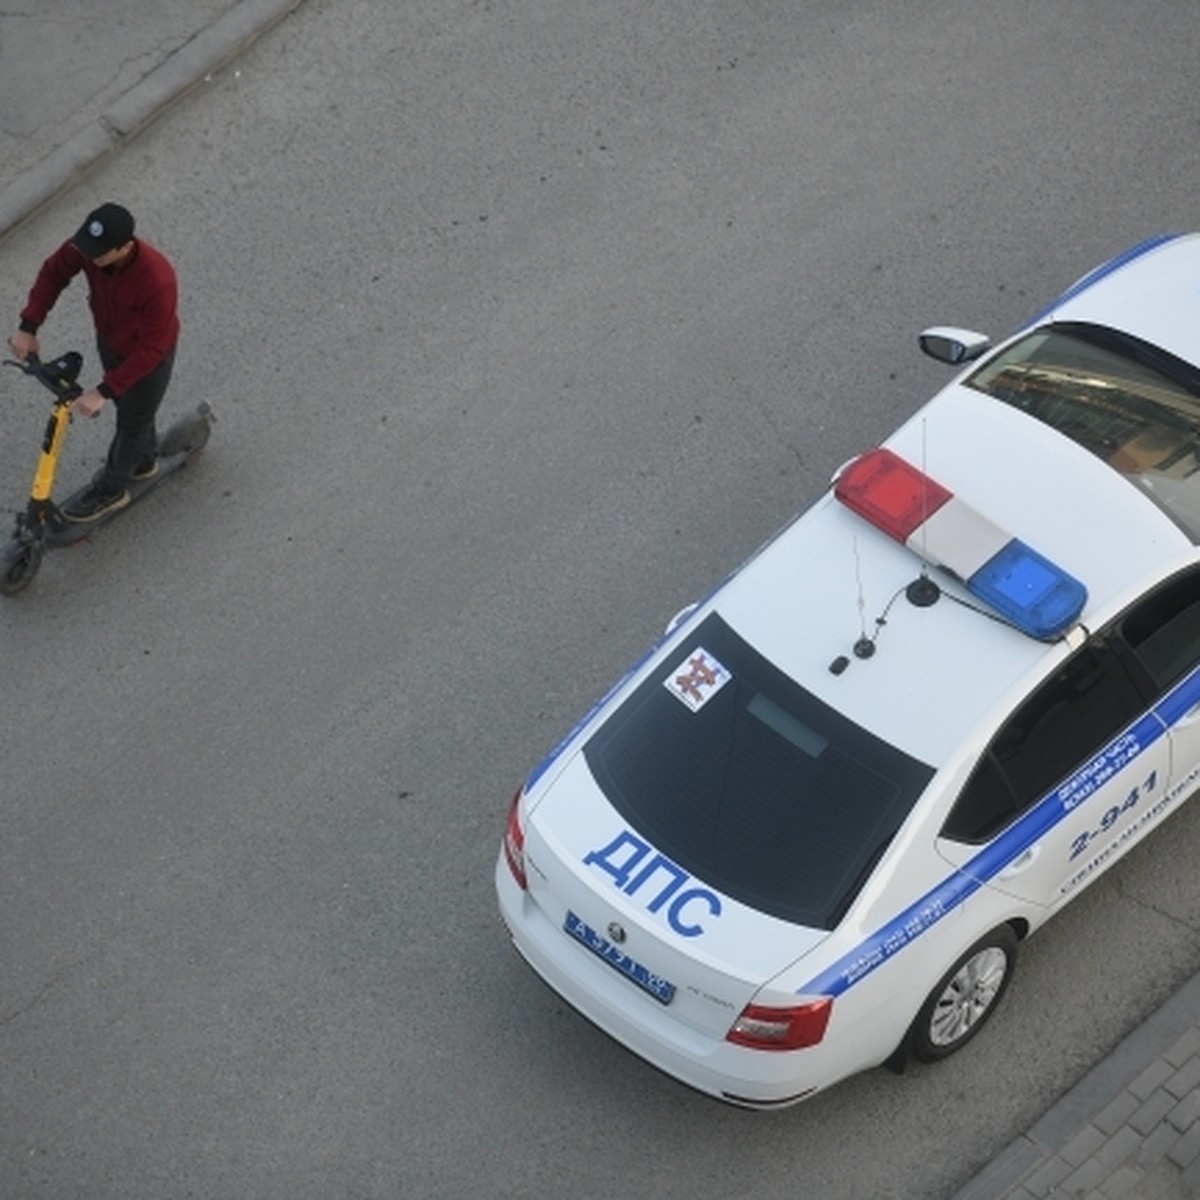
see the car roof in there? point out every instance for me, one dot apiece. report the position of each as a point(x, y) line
point(939, 673)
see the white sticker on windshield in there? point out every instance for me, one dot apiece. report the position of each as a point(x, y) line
point(697, 680)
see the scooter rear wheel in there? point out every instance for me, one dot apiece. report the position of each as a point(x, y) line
point(18, 565)
point(189, 434)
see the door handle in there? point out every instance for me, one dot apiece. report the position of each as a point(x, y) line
point(1021, 863)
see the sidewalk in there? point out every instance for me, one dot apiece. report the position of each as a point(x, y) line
point(79, 79)
point(1130, 1129)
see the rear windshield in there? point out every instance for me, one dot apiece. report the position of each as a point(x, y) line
point(1132, 404)
point(749, 782)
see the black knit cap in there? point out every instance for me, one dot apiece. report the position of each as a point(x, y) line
point(106, 227)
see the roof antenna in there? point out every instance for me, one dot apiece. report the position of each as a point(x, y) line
point(864, 647)
point(923, 591)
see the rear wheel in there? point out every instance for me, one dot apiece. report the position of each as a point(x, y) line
point(18, 565)
point(188, 435)
point(966, 997)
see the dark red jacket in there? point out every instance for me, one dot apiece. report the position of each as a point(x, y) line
point(134, 307)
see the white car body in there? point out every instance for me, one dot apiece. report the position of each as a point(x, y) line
point(671, 958)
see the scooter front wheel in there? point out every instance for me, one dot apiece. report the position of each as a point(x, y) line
point(18, 565)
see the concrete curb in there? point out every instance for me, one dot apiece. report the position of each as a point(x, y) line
point(1084, 1107)
point(207, 52)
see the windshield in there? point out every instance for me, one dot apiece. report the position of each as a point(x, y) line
point(1129, 403)
point(749, 782)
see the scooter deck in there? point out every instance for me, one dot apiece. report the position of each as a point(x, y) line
point(189, 432)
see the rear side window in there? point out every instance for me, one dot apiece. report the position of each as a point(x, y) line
point(1076, 711)
point(751, 783)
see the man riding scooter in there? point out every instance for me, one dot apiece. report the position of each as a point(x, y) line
point(133, 295)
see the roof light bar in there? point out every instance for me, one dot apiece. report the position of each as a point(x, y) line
point(891, 494)
point(1027, 589)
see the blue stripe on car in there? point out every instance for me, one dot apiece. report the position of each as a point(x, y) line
point(904, 928)
point(575, 729)
point(1094, 276)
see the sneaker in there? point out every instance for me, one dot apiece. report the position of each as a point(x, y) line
point(146, 469)
point(92, 504)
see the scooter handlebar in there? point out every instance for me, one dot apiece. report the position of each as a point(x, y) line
point(59, 376)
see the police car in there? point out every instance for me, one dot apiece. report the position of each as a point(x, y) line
point(806, 834)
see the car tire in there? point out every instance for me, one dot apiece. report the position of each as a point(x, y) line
point(966, 997)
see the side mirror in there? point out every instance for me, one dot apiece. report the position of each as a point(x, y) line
point(679, 618)
point(953, 346)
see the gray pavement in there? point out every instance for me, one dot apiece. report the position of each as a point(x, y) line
point(78, 81)
point(1130, 1128)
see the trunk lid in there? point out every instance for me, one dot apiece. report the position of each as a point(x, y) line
point(677, 940)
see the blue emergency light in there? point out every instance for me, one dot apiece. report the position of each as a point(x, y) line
point(1029, 590)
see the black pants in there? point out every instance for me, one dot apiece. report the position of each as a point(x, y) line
point(136, 438)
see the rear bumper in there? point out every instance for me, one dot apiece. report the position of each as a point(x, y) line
point(750, 1078)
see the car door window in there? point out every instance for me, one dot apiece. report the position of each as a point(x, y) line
point(1070, 716)
point(1163, 631)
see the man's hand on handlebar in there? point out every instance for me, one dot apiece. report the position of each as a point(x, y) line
point(23, 344)
point(89, 403)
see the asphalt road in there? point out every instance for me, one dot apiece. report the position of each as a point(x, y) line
point(525, 324)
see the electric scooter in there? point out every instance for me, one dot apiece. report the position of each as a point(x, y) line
point(42, 526)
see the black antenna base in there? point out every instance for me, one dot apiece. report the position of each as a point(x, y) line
point(864, 648)
point(923, 592)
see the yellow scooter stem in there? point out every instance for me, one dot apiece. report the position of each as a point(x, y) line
point(56, 431)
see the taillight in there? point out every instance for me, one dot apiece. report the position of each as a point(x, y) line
point(762, 1027)
point(514, 842)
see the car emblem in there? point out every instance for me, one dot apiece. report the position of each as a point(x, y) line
point(616, 934)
